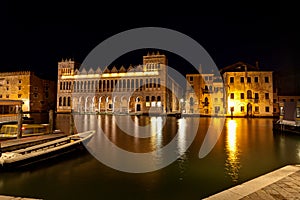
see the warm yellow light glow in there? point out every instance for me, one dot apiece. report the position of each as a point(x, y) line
point(232, 162)
point(231, 137)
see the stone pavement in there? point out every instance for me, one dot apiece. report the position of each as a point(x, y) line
point(281, 184)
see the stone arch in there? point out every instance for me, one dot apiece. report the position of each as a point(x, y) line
point(81, 104)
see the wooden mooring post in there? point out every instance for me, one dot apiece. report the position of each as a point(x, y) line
point(20, 122)
point(51, 121)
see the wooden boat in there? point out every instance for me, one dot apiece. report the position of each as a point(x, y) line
point(36, 153)
point(9, 131)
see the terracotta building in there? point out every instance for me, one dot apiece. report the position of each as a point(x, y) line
point(145, 88)
point(37, 94)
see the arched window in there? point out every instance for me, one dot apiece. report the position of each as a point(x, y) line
point(206, 101)
point(60, 87)
point(158, 98)
point(64, 101)
point(191, 101)
point(69, 101)
point(60, 101)
point(153, 98)
point(249, 94)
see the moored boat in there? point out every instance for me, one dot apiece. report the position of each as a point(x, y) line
point(44, 151)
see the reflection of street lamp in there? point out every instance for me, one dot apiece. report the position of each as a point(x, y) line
point(182, 105)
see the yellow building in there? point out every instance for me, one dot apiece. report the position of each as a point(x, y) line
point(37, 94)
point(145, 88)
point(249, 90)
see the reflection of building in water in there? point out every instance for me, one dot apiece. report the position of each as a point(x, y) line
point(141, 89)
point(37, 94)
point(232, 164)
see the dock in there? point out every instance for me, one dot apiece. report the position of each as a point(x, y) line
point(283, 183)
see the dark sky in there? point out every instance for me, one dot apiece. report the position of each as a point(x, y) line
point(36, 37)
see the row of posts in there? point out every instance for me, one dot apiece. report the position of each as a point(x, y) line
point(51, 123)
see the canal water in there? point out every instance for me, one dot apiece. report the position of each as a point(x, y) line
point(246, 148)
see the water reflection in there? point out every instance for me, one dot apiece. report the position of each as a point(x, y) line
point(232, 163)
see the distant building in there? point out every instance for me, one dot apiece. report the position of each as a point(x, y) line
point(37, 94)
point(249, 90)
point(145, 88)
point(204, 94)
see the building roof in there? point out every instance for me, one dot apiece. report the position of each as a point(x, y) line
point(239, 67)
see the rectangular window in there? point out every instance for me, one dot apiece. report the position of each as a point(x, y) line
point(256, 96)
point(266, 95)
point(0, 95)
point(283, 100)
point(232, 96)
point(274, 100)
point(256, 109)
point(266, 79)
point(274, 110)
point(248, 79)
point(231, 79)
point(267, 109)
point(7, 96)
point(191, 78)
point(242, 79)
point(292, 100)
point(242, 96)
point(242, 109)
point(206, 78)
point(7, 82)
point(256, 79)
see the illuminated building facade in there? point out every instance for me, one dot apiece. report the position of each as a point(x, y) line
point(249, 90)
point(146, 88)
point(37, 94)
point(204, 94)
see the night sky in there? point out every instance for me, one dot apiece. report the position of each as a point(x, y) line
point(35, 37)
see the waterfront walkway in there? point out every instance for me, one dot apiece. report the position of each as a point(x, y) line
point(283, 184)
point(2, 197)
